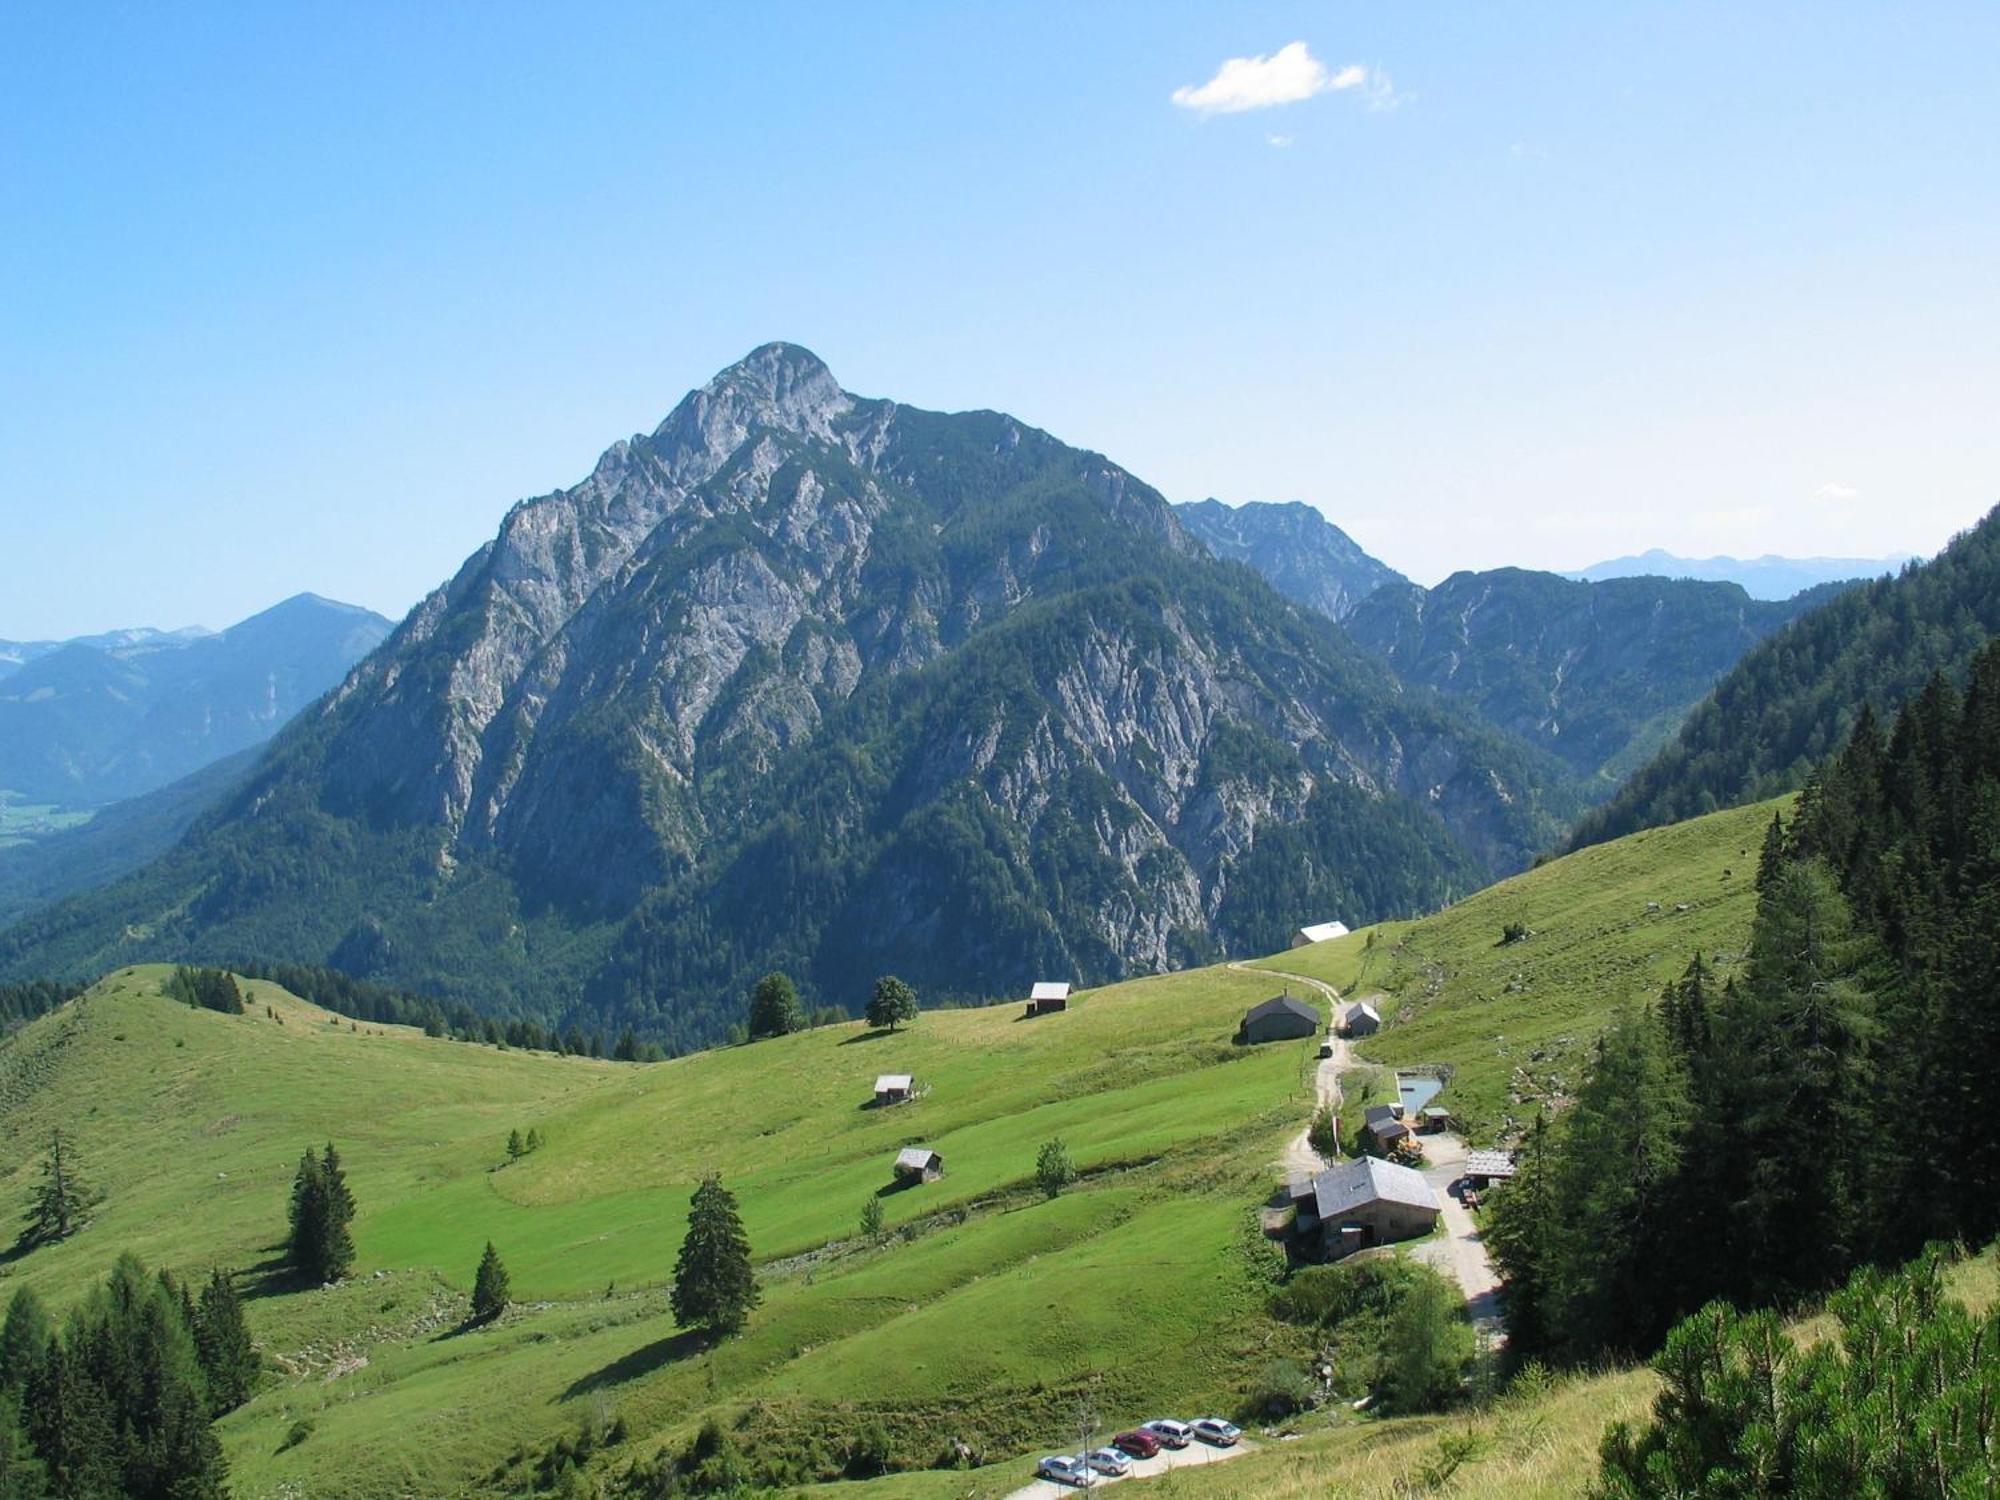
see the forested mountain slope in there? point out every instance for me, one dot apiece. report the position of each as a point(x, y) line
point(809, 680)
point(1599, 674)
point(1793, 700)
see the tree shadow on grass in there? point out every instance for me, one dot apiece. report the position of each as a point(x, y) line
point(641, 1361)
point(465, 1325)
point(273, 1276)
point(868, 1036)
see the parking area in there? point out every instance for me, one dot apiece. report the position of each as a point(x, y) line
point(1142, 1468)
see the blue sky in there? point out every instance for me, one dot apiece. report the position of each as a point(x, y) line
point(304, 297)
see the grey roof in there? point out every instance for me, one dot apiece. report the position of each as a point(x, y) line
point(916, 1158)
point(1489, 1164)
point(1282, 1005)
point(1377, 1113)
point(1358, 1183)
point(1050, 990)
point(1388, 1130)
point(1363, 1008)
point(890, 1081)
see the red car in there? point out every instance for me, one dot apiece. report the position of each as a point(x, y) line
point(1138, 1442)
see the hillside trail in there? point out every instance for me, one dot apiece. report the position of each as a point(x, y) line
point(1460, 1252)
point(1298, 1158)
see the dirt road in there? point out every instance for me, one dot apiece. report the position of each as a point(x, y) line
point(1299, 1159)
point(1460, 1252)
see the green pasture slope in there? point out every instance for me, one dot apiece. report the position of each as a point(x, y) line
point(1513, 1019)
point(981, 1323)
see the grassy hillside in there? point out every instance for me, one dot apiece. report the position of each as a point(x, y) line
point(1511, 1018)
point(983, 1316)
point(979, 1322)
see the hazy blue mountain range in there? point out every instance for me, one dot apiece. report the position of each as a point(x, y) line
point(1301, 554)
point(96, 720)
point(1766, 577)
point(16, 654)
point(1600, 674)
point(809, 680)
point(1793, 700)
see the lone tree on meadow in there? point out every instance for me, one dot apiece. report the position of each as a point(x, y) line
point(1054, 1169)
point(489, 1287)
point(516, 1147)
point(871, 1219)
point(60, 1203)
point(775, 1008)
point(891, 1002)
point(322, 1249)
point(714, 1287)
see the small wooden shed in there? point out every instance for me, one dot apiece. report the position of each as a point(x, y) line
point(1484, 1168)
point(1048, 997)
point(1384, 1126)
point(894, 1088)
point(1361, 1019)
point(1318, 932)
point(916, 1164)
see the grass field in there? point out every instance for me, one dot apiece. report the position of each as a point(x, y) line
point(1513, 1019)
point(980, 1323)
point(985, 1315)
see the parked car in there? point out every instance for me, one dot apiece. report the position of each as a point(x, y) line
point(1171, 1434)
point(1110, 1461)
point(1218, 1432)
point(1138, 1442)
point(1062, 1468)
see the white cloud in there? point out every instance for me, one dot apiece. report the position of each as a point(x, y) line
point(1286, 76)
point(1280, 141)
point(1836, 494)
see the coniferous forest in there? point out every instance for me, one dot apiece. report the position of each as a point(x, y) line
point(1832, 1104)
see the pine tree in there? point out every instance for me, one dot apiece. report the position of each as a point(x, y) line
point(714, 1285)
point(61, 1202)
point(871, 1219)
point(489, 1287)
point(22, 1476)
point(890, 1003)
point(774, 1008)
point(322, 1249)
point(24, 1340)
point(516, 1147)
point(534, 1139)
point(222, 1340)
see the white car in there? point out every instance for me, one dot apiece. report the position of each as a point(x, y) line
point(1171, 1434)
point(1218, 1432)
point(1063, 1469)
point(1110, 1461)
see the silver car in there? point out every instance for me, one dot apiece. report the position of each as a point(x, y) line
point(1217, 1432)
point(1110, 1461)
point(1063, 1469)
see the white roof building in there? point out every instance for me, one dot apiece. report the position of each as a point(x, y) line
point(1050, 990)
point(893, 1083)
point(1319, 932)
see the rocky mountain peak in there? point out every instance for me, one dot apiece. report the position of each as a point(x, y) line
point(778, 386)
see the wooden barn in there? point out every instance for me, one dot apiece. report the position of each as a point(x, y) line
point(1362, 1019)
point(1279, 1019)
point(915, 1164)
point(1318, 932)
point(1047, 998)
point(895, 1088)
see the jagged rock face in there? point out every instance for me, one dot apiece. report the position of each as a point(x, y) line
point(812, 680)
point(1303, 555)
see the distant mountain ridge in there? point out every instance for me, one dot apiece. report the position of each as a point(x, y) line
point(16, 654)
point(809, 680)
point(1793, 700)
point(1768, 577)
point(92, 721)
point(1598, 674)
point(1300, 553)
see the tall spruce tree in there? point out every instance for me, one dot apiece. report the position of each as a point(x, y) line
point(322, 1249)
point(489, 1287)
point(715, 1287)
point(25, 1335)
point(22, 1476)
point(61, 1203)
point(229, 1359)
